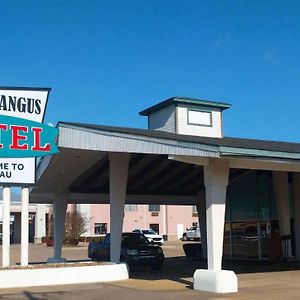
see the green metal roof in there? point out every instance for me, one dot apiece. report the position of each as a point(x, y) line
point(184, 100)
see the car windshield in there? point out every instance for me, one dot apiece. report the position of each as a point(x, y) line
point(148, 231)
point(134, 240)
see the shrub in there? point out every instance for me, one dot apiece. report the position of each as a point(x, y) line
point(74, 227)
point(88, 239)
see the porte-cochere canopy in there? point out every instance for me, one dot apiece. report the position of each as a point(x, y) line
point(103, 164)
point(161, 163)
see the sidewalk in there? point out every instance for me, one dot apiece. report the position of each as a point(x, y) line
point(266, 286)
point(257, 280)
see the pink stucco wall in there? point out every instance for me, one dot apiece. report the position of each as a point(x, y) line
point(180, 215)
point(99, 214)
point(167, 218)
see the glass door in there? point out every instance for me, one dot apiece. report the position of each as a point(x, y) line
point(264, 233)
point(244, 238)
point(249, 239)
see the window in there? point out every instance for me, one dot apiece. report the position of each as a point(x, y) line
point(100, 228)
point(155, 227)
point(198, 117)
point(131, 207)
point(154, 207)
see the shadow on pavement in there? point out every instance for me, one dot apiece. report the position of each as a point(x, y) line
point(181, 269)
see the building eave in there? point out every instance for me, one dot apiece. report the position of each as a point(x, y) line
point(231, 151)
point(185, 100)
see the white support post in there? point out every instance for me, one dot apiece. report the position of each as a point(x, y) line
point(40, 223)
point(24, 226)
point(118, 172)
point(215, 215)
point(296, 193)
point(59, 207)
point(6, 227)
point(216, 180)
point(281, 189)
point(215, 279)
point(201, 208)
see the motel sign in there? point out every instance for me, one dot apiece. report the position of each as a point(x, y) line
point(23, 136)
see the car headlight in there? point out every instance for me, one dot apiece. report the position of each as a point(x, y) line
point(159, 250)
point(132, 252)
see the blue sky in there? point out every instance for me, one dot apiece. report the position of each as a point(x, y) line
point(107, 60)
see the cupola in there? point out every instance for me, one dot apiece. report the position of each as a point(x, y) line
point(188, 116)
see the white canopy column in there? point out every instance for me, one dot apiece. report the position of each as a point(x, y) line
point(59, 207)
point(281, 189)
point(118, 172)
point(24, 226)
point(215, 279)
point(40, 223)
point(6, 227)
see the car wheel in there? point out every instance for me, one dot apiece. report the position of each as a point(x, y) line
point(94, 257)
point(123, 259)
point(184, 237)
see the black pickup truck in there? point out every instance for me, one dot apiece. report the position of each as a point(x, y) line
point(135, 250)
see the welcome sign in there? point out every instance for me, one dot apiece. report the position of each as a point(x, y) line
point(22, 134)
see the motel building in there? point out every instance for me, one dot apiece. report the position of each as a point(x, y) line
point(170, 221)
point(37, 220)
point(245, 191)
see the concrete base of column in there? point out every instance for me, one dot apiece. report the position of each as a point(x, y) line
point(53, 260)
point(37, 240)
point(222, 281)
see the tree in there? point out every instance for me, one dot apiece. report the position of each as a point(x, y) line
point(75, 225)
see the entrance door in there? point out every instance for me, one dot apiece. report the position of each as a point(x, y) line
point(244, 238)
point(180, 231)
point(250, 239)
point(155, 227)
point(264, 233)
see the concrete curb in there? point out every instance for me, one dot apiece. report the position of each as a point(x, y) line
point(62, 275)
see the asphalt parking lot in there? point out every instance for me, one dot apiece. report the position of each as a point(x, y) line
point(40, 253)
point(174, 281)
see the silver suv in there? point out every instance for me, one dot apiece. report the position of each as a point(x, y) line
point(192, 233)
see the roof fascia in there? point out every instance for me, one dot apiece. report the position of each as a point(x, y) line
point(212, 150)
point(225, 151)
